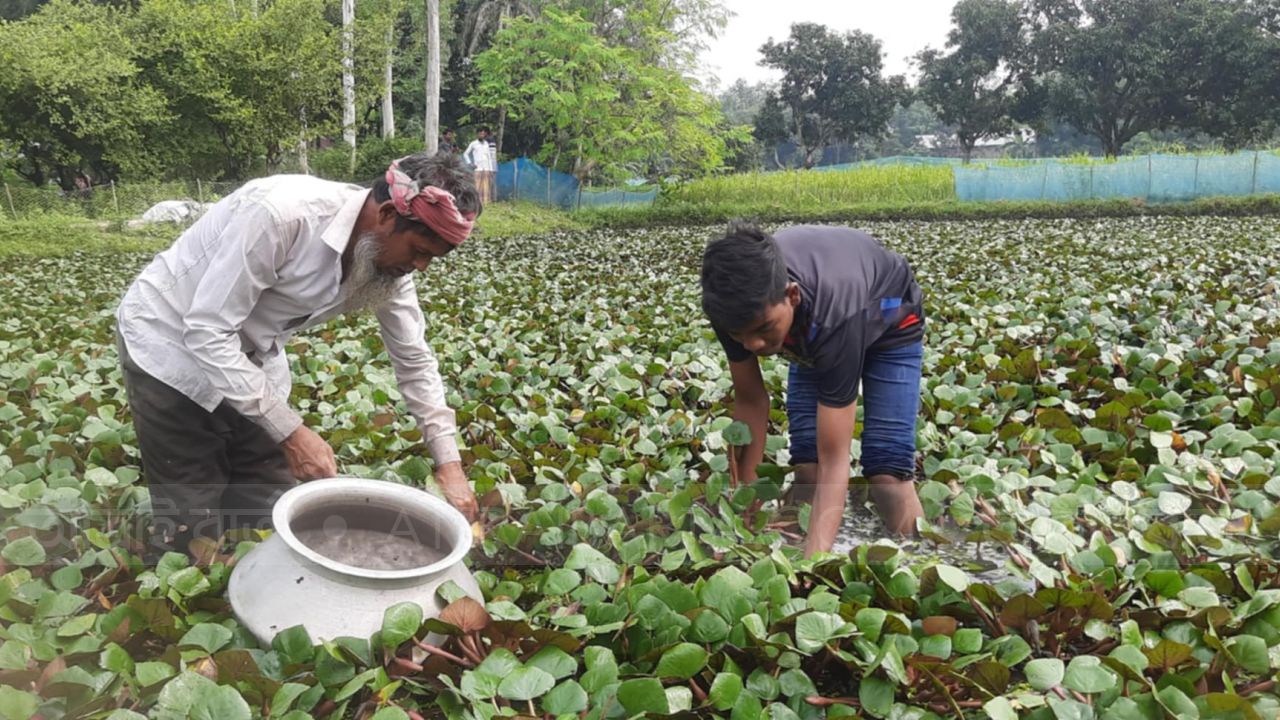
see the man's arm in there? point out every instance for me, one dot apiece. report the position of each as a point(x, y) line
point(403, 330)
point(835, 430)
point(241, 266)
point(750, 406)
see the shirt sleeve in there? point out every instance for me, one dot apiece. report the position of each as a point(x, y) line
point(732, 348)
point(839, 364)
point(242, 264)
point(403, 329)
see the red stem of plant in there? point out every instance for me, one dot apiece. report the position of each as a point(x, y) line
point(445, 654)
point(1263, 686)
point(697, 690)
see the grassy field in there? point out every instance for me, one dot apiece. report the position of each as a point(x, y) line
point(807, 190)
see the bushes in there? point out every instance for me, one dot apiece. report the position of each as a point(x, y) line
point(372, 158)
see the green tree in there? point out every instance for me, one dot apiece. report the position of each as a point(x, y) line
point(1116, 68)
point(239, 88)
point(72, 100)
point(1237, 93)
point(598, 109)
point(771, 126)
point(832, 86)
point(974, 85)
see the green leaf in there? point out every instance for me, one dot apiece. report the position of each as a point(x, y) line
point(967, 640)
point(294, 645)
point(526, 683)
point(390, 713)
point(642, 695)
point(399, 623)
point(116, 659)
point(16, 704)
point(708, 627)
point(724, 691)
point(1171, 503)
point(953, 577)
point(815, 629)
point(938, 646)
point(566, 698)
point(1086, 674)
point(1250, 653)
point(869, 622)
point(558, 663)
point(1045, 673)
point(594, 563)
point(24, 552)
point(999, 708)
point(150, 673)
point(561, 582)
point(67, 578)
point(876, 696)
point(682, 661)
point(209, 636)
point(738, 433)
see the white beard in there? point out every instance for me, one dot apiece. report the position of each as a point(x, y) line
point(367, 286)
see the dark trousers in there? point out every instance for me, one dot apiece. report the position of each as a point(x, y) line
point(207, 472)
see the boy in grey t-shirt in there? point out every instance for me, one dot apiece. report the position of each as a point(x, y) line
point(847, 312)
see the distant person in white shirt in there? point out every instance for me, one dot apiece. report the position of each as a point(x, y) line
point(484, 158)
point(202, 333)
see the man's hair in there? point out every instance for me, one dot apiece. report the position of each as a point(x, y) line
point(742, 274)
point(442, 170)
point(483, 129)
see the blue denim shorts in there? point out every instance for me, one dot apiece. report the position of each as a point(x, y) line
point(890, 404)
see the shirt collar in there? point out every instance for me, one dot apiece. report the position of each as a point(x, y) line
point(338, 234)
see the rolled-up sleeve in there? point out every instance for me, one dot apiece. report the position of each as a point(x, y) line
point(241, 265)
point(403, 331)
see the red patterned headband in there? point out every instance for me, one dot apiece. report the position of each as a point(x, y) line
point(429, 205)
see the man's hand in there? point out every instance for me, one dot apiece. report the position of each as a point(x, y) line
point(457, 489)
point(309, 456)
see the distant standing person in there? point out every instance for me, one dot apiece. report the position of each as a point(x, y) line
point(847, 313)
point(483, 158)
point(448, 142)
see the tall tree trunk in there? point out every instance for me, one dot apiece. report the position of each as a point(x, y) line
point(303, 162)
point(388, 108)
point(349, 79)
point(431, 123)
point(502, 109)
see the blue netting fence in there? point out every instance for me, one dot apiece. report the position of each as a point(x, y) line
point(1153, 178)
point(524, 179)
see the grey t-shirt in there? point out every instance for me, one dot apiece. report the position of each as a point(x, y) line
point(856, 297)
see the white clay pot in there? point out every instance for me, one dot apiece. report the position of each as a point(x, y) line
point(346, 549)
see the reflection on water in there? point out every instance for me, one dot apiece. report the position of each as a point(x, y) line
point(985, 562)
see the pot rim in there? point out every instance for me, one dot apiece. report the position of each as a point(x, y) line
point(458, 530)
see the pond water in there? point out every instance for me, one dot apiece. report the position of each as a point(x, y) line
point(985, 562)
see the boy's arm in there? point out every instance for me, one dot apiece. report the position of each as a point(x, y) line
point(835, 430)
point(750, 406)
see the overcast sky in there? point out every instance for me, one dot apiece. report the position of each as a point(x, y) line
point(904, 27)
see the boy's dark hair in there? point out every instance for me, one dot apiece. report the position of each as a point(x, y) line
point(443, 170)
point(483, 129)
point(742, 274)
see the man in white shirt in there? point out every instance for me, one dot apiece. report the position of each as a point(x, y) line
point(484, 158)
point(202, 333)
